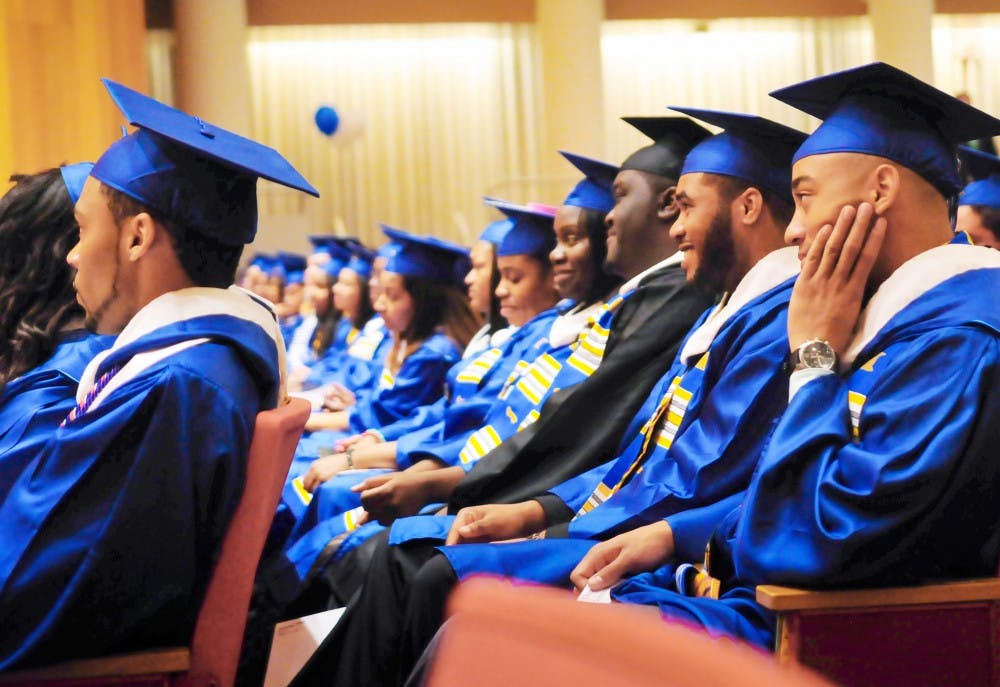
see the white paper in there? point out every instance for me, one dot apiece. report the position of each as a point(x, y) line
point(590, 596)
point(294, 642)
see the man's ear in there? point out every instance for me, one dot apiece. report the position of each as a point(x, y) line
point(886, 187)
point(138, 234)
point(749, 205)
point(666, 205)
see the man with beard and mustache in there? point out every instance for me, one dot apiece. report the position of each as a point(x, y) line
point(112, 532)
point(694, 442)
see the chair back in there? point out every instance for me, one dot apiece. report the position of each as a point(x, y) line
point(500, 635)
point(218, 633)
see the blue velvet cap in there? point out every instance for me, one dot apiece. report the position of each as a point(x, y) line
point(531, 233)
point(880, 110)
point(672, 138)
point(189, 171)
point(985, 169)
point(750, 148)
point(74, 176)
point(594, 191)
point(293, 262)
point(495, 231)
point(295, 277)
point(424, 257)
point(361, 262)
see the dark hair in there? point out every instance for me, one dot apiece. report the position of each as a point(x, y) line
point(37, 300)
point(593, 222)
point(438, 306)
point(365, 307)
point(496, 321)
point(990, 217)
point(326, 326)
point(781, 210)
point(205, 261)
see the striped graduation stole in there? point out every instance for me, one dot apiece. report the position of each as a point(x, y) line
point(352, 335)
point(299, 490)
point(352, 519)
point(594, 338)
point(538, 378)
point(474, 372)
point(658, 433)
point(858, 386)
point(363, 347)
point(519, 369)
point(88, 400)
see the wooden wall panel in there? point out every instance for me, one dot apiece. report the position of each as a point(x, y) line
point(52, 56)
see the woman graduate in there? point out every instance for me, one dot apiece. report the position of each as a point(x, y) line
point(43, 345)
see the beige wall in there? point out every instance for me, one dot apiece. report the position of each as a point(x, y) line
point(53, 108)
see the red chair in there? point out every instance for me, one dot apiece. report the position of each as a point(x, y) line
point(214, 653)
point(936, 635)
point(500, 635)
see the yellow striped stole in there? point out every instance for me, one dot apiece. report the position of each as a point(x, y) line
point(479, 444)
point(298, 486)
point(474, 372)
point(387, 380)
point(352, 518)
point(539, 377)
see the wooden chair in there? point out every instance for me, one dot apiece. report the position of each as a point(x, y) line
point(500, 635)
point(213, 655)
point(930, 635)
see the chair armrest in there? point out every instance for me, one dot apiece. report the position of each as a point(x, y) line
point(157, 661)
point(778, 598)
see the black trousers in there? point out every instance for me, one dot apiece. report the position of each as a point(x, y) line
point(389, 623)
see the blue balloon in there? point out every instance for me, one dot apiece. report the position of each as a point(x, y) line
point(327, 120)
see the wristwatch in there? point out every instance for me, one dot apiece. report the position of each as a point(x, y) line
point(814, 354)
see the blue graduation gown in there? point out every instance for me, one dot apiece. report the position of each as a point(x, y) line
point(884, 475)
point(33, 405)
point(110, 537)
point(721, 406)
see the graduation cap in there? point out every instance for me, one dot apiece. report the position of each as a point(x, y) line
point(750, 148)
point(495, 231)
point(985, 169)
point(424, 257)
point(531, 232)
point(361, 261)
point(594, 192)
point(672, 138)
point(74, 176)
point(189, 171)
point(294, 265)
point(293, 262)
point(877, 109)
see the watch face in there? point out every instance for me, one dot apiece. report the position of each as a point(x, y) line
point(818, 354)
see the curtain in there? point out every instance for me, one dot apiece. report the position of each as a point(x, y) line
point(437, 113)
point(725, 64)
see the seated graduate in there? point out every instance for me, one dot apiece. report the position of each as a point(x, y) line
point(155, 450)
point(430, 322)
point(43, 345)
point(979, 204)
point(289, 309)
point(310, 340)
point(352, 300)
point(695, 441)
point(883, 470)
